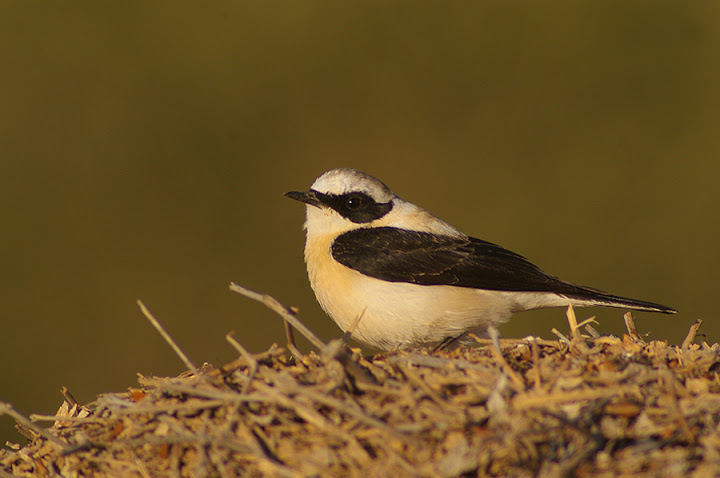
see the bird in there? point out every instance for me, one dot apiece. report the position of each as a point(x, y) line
point(397, 277)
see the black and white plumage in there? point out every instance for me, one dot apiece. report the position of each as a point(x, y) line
point(400, 277)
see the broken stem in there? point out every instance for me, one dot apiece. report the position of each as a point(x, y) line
point(271, 303)
point(167, 338)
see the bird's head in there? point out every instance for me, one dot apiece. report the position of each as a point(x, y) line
point(344, 199)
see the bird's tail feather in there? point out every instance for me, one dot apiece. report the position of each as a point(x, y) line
point(588, 297)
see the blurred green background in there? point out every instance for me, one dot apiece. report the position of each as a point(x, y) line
point(145, 148)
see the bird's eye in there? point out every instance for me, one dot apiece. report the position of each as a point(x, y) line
point(354, 202)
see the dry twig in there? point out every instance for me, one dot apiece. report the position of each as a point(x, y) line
point(281, 310)
point(632, 329)
point(7, 409)
point(190, 366)
point(497, 352)
point(690, 338)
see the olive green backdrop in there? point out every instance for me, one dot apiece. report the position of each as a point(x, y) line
point(146, 145)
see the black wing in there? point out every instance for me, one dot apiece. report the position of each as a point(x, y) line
point(398, 255)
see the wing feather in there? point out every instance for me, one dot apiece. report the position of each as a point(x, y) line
point(424, 258)
point(398, 255)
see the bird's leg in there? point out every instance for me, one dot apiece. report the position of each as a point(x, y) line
point(449, 342)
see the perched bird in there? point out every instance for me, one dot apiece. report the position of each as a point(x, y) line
point(397, 276)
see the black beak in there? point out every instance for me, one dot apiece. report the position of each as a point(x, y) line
point(309, 197)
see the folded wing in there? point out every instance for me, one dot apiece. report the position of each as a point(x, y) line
point(423, 258)
point(399, 255)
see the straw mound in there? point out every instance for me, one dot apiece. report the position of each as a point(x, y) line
point(579, 406)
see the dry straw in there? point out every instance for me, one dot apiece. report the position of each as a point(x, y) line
point(584, 405)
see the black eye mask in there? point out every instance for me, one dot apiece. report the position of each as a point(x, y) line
point(355, 206)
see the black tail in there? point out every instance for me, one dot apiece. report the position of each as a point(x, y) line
point(589, 296)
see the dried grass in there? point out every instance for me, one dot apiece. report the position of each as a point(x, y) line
point(584, 405)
